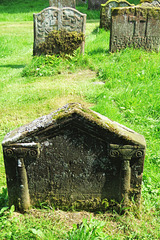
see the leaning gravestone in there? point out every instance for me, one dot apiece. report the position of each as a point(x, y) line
point(105, 13)
point(73, 157)
point(95, 4)
point(138, 27)
point(62, 3)
point(52, 18)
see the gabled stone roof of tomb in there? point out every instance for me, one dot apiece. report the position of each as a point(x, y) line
point(77, 113)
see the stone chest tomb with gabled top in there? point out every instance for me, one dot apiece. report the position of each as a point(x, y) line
point(73, 157)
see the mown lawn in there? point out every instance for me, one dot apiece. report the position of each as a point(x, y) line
point(123, 86)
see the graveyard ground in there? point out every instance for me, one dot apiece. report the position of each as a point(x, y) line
point(123, 86)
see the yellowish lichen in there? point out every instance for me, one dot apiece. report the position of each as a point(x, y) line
point(117, 1)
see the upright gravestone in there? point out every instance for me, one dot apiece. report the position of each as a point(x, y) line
point(62, 3)
point(52, 18)
point(95, 4)
point(135, 26)
point(105, 13)
point(154, 3)
point(73, 157)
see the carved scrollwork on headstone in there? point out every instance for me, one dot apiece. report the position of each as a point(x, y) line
point(22, 149)
point(8, 152)
point(114, 153)
point(125, 152)
point(139, 153)
point(33, 153)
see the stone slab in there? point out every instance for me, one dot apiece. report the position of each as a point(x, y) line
point(53, 18)
point(136, 27)
point(73, 158)
point(105, 13)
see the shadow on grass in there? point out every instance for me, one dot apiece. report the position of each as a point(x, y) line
point(98, 51)
point(3, 198)
point(12, 66)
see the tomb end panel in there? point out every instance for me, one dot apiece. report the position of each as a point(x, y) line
point(76, 168)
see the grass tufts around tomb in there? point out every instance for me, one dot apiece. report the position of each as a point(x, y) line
point(50, 65)
point(89, 230)
point(123, 86)
point(60, 43)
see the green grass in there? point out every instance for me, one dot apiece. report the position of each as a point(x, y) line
point(123, 86)
point(23, 10)
point(19, 10)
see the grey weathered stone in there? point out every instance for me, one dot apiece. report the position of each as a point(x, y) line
point(62, 3)
point(95, 4)
point(135, 26)
point(154, 3)
point(73, 157)
point(52, 18)
point(105, 13)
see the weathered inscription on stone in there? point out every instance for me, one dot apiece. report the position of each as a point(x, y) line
point(53, 18)
point(105, 14)
point(137, 27)
point(62, 3)
point(73, 157)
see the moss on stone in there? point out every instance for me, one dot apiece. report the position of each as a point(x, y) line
point(143, 11)
point(154, 12)
point(101, 121)
point(60, 43)
point(92, 204)
point(123, 10)
point(150, 11)
point(75, 108)
point(143, 1)
point(117, 1)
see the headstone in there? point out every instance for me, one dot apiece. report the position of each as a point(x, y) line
point(73, 157)
point(137, 27)
point(105, 13)
point(52, 18)
point(154, 3)
point(95, 4)
point(62, 3)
